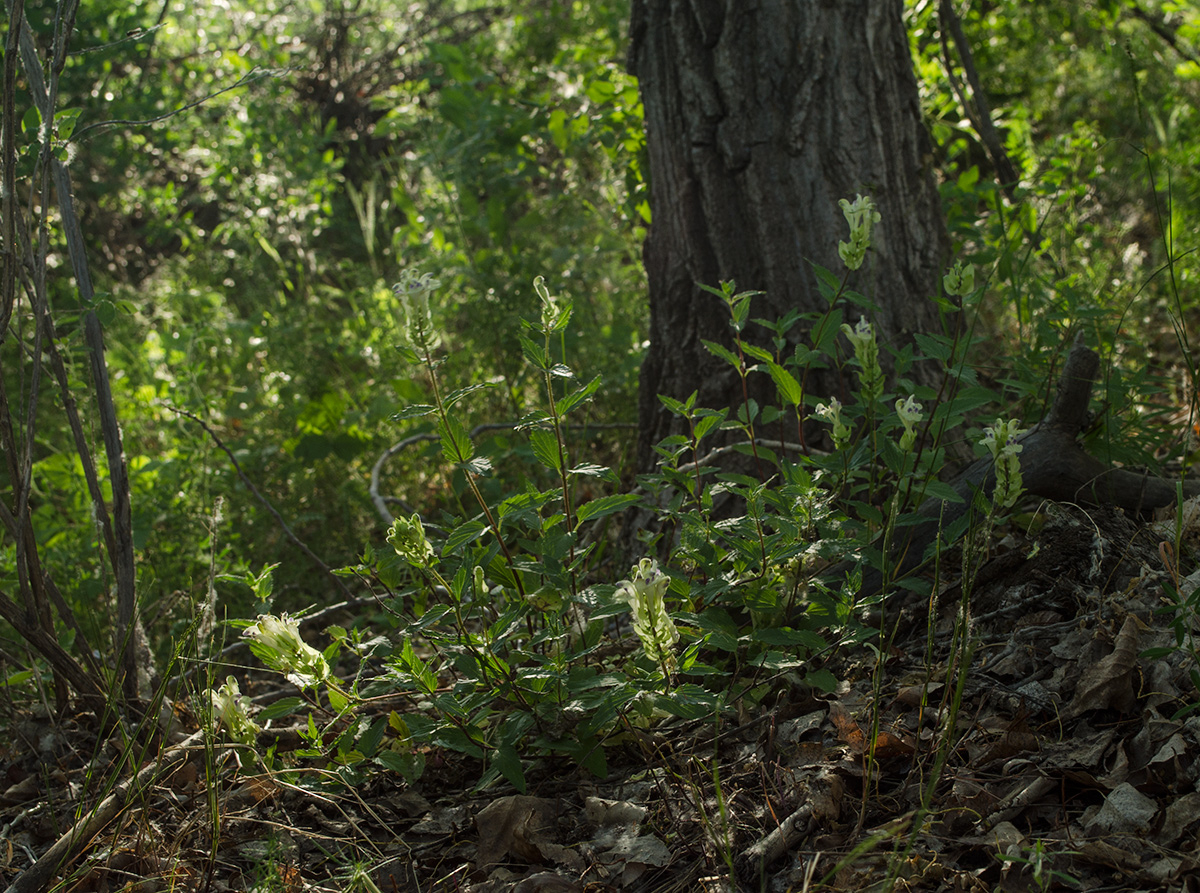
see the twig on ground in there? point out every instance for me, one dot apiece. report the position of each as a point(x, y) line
point(38, 876)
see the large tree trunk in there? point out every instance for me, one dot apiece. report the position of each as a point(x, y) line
point(759, 117)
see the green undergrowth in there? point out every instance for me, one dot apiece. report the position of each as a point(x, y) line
point(515, 636)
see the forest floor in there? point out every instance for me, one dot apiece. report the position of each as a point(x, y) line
point(1061, 757)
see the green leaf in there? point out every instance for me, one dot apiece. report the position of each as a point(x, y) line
point(545, 447)
point(758, 353)
point(709, 422)
point(409, 355)
point(20, 677)
point(941, 490)
point(523, 507)
point(558, 129)
point(463, 534)
point(721, 630)
point(741, 309)
point(456, 739)
point(803, 638)
point(676, 407)
point(588, 469)
point(337, 700)
point(589, 753)
point(411, 766)
point(534, 353)
point(689, 702)
point(828, 283)
point(604, 505)
point(573, 399)
point(64, 123)
point(563, 318)
point(722, 352)
point(972, 398)
point(457, 394)
point(456, 443)
point(415, 411)
point(282, 707)
point(824, 334)
point(508, 763)
point(31, 121)
point(789, 388)
point(937, 346)
point(480, 465)
point(822, 679)
point(533, 418)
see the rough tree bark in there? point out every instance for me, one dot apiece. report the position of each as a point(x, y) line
point(759, 117)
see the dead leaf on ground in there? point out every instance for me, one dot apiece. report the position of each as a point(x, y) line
point(1109, 683)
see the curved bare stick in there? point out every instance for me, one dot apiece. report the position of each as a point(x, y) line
point(381, 501)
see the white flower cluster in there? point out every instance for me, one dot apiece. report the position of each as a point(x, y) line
point(645, 592)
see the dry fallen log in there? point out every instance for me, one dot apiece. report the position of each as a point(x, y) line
point(1053, 465)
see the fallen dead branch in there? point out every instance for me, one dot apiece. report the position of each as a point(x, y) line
point(1053, 465)
point(83, 832)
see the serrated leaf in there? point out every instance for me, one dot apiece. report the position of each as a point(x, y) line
point(563, 318)
point(535, 353)
point(282, 707)
point(456, 442)
point(523, 508)
point(824, 334)
point(708, 422)
point(604, 505)
point(588, 469)
point(972, 398)
point(789, 388)
point(689, 701)
point(672, 440)
point(675, 406)
point(723, 352)
point(577, 396)
point(462, 535)
point(589, 753)
point(936, 346)
point(409, 355)
point(741, 309)
point(533, 417)
point(417, 668)
point(758, 353)
point(457, 394)
point(828, 282)
point(410, 765)
point(415, 411)
point(480, 465)
point(337, 700)
point(545, 448)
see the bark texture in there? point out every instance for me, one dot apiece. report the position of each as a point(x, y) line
point(759, 117)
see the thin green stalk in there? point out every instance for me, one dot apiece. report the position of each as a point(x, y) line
point(444, 417)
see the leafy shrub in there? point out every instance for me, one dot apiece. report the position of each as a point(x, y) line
point(509, 639)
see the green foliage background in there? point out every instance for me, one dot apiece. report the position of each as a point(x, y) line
point(254, 175)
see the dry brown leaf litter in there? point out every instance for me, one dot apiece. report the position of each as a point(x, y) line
point(1065, 770)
